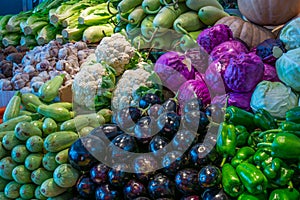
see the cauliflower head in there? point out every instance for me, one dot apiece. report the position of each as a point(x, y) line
point(124, 94)
point(92, 85)
point(116, 51)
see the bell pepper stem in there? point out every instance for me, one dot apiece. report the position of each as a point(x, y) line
point(264, 144)
point(235, 190)
point(223, 161)
point(269, 131)
point(290, 185)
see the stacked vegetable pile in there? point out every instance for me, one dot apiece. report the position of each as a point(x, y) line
point(148, 22)
point(35, 141)
point(65, 20)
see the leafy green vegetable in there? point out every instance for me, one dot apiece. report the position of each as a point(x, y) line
point(28, 41)
point(11, 39)
point(46, 34)
point(73, 32)
point(13, 24)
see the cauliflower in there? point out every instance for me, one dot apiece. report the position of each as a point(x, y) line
point(92, 85)
point(116, 51)
point(124, 94)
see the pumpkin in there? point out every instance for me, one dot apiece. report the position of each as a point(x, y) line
point(269, 12)
point(250, 33)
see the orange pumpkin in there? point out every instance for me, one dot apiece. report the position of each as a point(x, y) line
point(269, 12)
point(246, 31)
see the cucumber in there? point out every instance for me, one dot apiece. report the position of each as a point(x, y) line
point(37, 123)
point(3, 151)
point(85, 131)
point(10, 124)
point(19, 153)
point(3, 197)
point(74, 124)
point(33, 161)
point(7, 165)
point(39, 175)
point(35, 144)
point(62, 156)
point(49, 126)
point(12, 190)
point(25, 130)
point(50, 89)
point(66, 105)
point(3, 183)
point(38, 194)
point(13, 107)
point(167, 15)
point(27, 191)
point(65, 175)
point(126, 5)
point(21, 175)
point(106, 113)
point(60, 140)
point(29, 98)
point(9, 141)
point(151, 7)
point(64, 196)
point(57, 113)
point(136, 16)
point(188, 22)
point(198, 4)
point(49, 162)
point(209, 15)
point(50, 189)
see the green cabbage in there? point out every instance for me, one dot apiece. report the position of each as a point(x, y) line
point(275, 97)
point(290, 34)
point(288, 68)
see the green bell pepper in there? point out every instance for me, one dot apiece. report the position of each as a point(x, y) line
point(264, 120)
point(284, 176)
point(290, 126)
point(248, 196)
point(262, 157)
point(253, 139)
point(252, 178)
point(242, 135)
point(285, 194)
point(238, 116)
point(282, 144)
point(244, 154)
point(293, 115)
point(231, 182)
point(226, 141)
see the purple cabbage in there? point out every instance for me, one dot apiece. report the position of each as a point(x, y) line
point(270, 74)
point(211, 37)
point(241, 100)
point(270, 50)
point(244, 72)
point(174, 69)
point(227, 50)
point(199, 58)
point(194, 88)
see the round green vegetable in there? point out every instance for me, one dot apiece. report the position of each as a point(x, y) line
point(6, 167)
point(35, 144)
point(40, 175)
point(33, 161)
point(65, 175)
point(21, 175)
point(27, 191)
point(12, 190)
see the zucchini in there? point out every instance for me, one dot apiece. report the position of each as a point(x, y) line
point(39, 175)
point(33, 161)
point(136, 16)
point(49, 90)
point(21, 175)
point(19, 153)
point(75, 124)
point(25, 130)
point(57, 113)
point(106, 113)
point(12, 190)
point(126, 5)
point(3, 133)
point(85, 131)
point(13, 107)
point(62, 156)
point(95, 120)
point(37, 123)
point(10, 124)
point(3, 183)
point(3, 152)
point(35, 144)
point(50, 189)
point(60, 140)
point(9, 141)
point(7, 165)
point(66, 105)
point(65, 175)
point(3, 197)
point(29, 98)
point(27, 191)
point(188, 22)
point(33, 115)
point(49, 126)
point(49, 162)
point(151, 7)
point(38, 194)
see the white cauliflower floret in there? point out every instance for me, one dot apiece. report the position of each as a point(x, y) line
point(116, 51)
point(131, 80)
point(87, 83)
